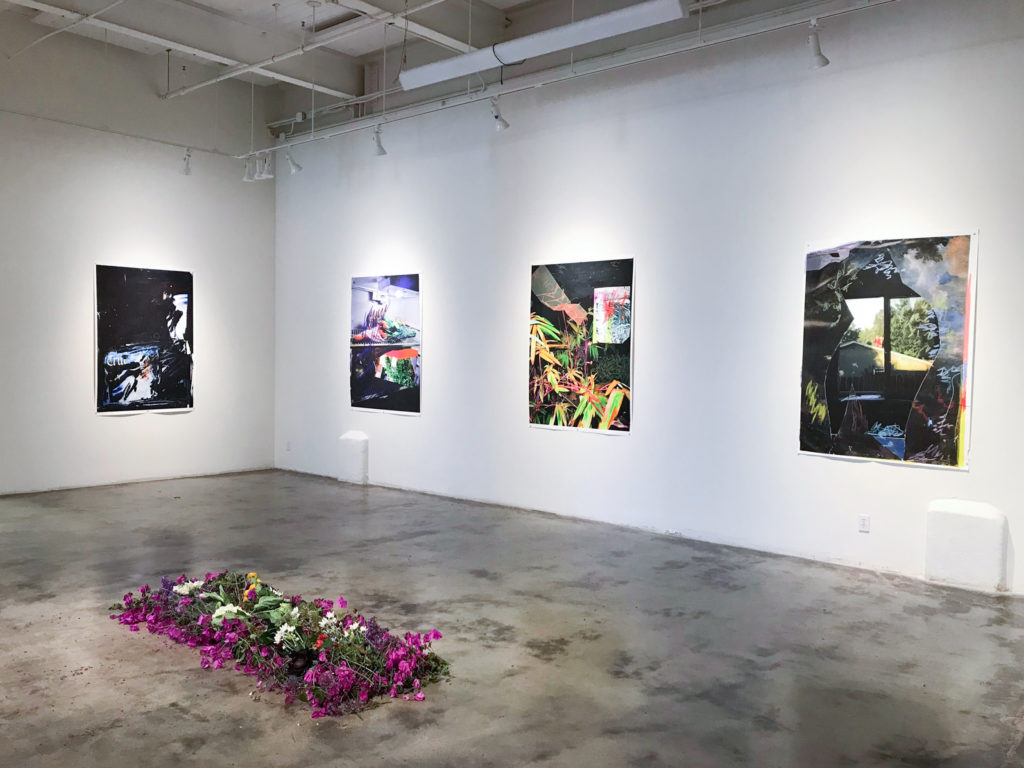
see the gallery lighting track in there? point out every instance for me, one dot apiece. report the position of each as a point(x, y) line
point(800, 16)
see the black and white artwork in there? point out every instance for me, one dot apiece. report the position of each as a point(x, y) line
point(143, 339)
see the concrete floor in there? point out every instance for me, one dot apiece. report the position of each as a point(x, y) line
point(572, 643)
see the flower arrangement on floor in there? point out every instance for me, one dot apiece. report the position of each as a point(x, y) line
point(338, 663)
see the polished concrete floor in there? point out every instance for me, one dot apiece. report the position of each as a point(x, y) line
point(572, 643)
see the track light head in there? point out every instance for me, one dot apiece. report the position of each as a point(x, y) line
point(186, 162)
point(250, 174)
point(376, 140)
point(266, 168)
point(500, 123)
point(818, 59)
point(293, 167)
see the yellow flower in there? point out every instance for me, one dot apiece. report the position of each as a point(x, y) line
point(251, 576)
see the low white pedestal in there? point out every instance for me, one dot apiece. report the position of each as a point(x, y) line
point(966, 544)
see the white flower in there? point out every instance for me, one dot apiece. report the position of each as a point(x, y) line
point(276, 591)
point(328, 621)
point(294, 615)
point(187, 588)
point(282, 632)
point(225, 609)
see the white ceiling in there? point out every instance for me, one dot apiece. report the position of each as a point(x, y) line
point(232, 33)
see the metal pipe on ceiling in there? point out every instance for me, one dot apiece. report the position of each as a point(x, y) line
point(68, 28)
point(321, 40)
point(692, 8)
point(164, 43)
point(724, 33)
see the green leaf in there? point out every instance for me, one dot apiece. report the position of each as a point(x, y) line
point(588, 415)
point(579, 409)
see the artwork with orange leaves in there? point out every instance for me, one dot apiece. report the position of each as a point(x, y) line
point(581, 327)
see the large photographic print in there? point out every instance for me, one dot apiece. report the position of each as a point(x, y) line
point(581, 327)
point(385, 343)
point(144, 339)
point(885, 354)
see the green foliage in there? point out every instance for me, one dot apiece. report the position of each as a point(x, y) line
point(908, 315)
point(404, 373)
point(905, 325)
point(564, 383)
point(612, 366)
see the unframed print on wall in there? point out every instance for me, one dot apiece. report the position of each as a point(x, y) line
point(581, 326)
point(885, 354)
point(386, 343)
point(143, 339)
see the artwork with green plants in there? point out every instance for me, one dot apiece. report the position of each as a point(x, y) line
point(386, 343)
point(581, 327)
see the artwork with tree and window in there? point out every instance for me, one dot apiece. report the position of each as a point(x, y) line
point(385, 343)
point(885, 354)
point(581, 325)
point(143, 339)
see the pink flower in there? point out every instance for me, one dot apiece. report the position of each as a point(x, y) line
point(342, 602)
point(419, 696)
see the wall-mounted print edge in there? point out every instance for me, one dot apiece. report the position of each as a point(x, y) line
point(537, 336)
point(396, 339)
point(967, 355)
point(188, 340)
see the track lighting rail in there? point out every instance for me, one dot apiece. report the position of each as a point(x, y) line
point(796, 16)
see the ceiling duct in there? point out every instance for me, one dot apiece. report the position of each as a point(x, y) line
point(646, 14)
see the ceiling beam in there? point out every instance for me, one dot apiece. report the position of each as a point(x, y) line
point(426, 33)
point(163, 42)
point(317, 41)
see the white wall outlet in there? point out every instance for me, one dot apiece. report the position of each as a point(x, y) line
point(864, 523)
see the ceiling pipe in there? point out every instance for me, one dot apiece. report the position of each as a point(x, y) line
point(337, 106)
point(629, 19)
point(799, 16)
point(68, 28)
point(413, 28)
point(164, 43)
point(318, 42)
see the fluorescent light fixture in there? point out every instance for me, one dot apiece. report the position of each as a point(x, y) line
point(818, 59)
point(186, 162)
point(500, 123)
point(293, 167)
point(376, 140)
point(640, 16)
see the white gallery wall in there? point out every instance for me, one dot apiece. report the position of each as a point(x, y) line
point(72, 198)
point(716, 170)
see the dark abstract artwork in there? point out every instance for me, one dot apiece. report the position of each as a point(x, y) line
point(143, 339)
point(581, 327)
point(885, 353)
point(385, 346)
